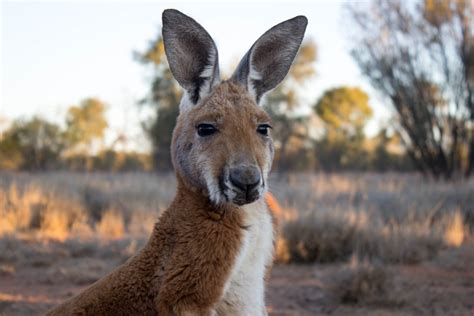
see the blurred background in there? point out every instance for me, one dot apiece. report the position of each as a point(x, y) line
point(374, 136)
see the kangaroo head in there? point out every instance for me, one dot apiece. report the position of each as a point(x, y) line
point(222, 141)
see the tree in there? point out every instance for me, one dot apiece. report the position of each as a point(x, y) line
point(387, 154)
point(31, 145)
point(344, 112)
point(421, 58)
point(86, 123)
point(290, 126)
point(164, 97)
point(10, 153)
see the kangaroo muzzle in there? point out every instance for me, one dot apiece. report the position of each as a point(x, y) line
point(246, 181)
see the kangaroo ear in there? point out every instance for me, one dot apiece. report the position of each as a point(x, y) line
point(267, 62)
point(192, 56)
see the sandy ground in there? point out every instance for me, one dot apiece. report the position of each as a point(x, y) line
point(36, 276)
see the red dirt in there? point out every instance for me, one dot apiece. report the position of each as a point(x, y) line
point(443, 286)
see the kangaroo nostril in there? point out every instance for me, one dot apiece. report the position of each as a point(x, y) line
point(245, 177)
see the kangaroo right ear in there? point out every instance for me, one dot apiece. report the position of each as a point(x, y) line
point(192, 56)
point(267, 62)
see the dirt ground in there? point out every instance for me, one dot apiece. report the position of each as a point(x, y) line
point(34, 277)
point(443, 286)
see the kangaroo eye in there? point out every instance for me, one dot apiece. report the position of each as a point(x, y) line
point(206, 129)
point(263, 129)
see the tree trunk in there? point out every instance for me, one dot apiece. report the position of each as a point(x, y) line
point(470, 157)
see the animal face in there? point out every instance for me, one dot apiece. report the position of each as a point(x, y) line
point(222, 141)
point(224, 146)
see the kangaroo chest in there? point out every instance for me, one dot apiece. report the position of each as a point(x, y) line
point(244, 291)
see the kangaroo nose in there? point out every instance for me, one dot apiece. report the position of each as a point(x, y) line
point(245, 177)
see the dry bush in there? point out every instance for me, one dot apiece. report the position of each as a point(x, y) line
point(282, 250)
point(361, 282)
point(111, 225)
point(318, 238)
point(54, 224)
point(336, 236)
point(57, 217)
point(68, 205)
point(455, 230)
point(323, 218)
point(389, 218)
point(31, 209)
point(17, 208)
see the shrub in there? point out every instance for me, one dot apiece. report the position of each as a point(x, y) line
point(361, 282)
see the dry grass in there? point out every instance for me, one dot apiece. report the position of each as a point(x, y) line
point(111, 225)
point(62, 206)
point(324, 218)
point(455, 231)
point(362, 282)
point(389, 218)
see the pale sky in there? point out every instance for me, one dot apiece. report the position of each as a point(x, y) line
point(54, 54)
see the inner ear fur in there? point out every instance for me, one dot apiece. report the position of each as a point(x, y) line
point(192, 54)
point(269, 59)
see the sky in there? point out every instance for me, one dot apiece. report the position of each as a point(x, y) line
point(54, 54)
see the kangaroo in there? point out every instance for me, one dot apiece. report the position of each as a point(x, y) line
point(210, 250)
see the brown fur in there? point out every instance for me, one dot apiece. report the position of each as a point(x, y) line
point(188, 259)
point(237, 116)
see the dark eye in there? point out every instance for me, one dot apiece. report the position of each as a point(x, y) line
point(263, 129)
point(206, 129)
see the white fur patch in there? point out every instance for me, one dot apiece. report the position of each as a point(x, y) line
point(208, 71)
point(212, 186)
point(207, 85)
point(185, 103)
point(244, 292)
point(267, 166)
point(229, 192)
point(208, 74)
point(254, 74)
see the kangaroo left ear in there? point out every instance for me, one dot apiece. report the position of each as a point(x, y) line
point(192, 56)
point(267, 62)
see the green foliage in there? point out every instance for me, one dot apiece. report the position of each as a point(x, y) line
point(31, 145)
point(160, 132)
point(86, 122)
point(164, 97)
point(344, 110)
point(290, 128)
point(10, 153)
point(340, 153)
point(110, 160)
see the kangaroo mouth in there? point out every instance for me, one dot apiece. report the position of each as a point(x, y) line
point(248, 198)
